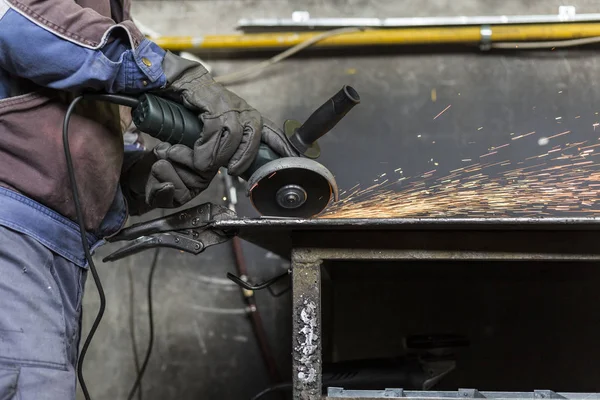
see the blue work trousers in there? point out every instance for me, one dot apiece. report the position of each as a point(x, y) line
point(42, 276)
point(40, 320)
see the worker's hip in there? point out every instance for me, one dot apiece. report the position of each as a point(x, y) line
point(32, 159)
point(54, 231)
point(40, 311)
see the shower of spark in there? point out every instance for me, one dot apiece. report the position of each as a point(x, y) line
point(564, 179)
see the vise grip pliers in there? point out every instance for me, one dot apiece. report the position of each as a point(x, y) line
point(190, 230)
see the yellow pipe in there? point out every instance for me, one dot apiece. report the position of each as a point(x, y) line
point(372, 37)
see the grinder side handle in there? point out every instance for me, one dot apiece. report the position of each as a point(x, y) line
point(318, 124)
point(325, 118)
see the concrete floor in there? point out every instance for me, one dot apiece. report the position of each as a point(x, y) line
point(204, 346)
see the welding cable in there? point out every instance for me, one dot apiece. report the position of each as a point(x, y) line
point(138, 381)
point(546, 45)
point(255, 316)
point(84, 243)
point(260, 286)
point(233, 77)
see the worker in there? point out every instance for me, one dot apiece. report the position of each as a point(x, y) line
point(50, 51)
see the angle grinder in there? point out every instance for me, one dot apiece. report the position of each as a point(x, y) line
point(277, 186)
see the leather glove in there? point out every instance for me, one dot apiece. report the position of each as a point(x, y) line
point(232, 133)
point(152, 183)
point(163, 178)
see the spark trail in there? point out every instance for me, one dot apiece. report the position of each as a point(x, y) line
point(565, 179)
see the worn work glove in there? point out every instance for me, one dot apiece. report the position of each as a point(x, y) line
point(154, 183)
point(232, 133)
point(163, 177)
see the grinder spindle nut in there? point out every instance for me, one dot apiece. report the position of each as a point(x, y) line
point(291, 196)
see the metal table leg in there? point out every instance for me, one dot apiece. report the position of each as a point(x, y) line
point(306, 334)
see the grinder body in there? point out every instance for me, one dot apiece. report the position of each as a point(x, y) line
point(303, 187)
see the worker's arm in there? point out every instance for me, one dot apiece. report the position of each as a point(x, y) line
point(31, 51)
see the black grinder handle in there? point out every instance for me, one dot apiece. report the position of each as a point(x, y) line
point(172, 123)
point(166, 120)
point(325, 118)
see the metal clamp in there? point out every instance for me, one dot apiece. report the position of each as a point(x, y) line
point(188, 230)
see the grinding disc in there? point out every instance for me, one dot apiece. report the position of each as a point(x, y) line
point(292, 187)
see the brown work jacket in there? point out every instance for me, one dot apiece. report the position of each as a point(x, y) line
point(32, 160)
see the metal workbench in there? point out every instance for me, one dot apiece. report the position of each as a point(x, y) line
point(313, 244)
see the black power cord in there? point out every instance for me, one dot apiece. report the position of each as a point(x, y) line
point(130, 102)
point(127, 101)
point(134, 346)
point(260, 286)
point(140, 375)
point(85, 244)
